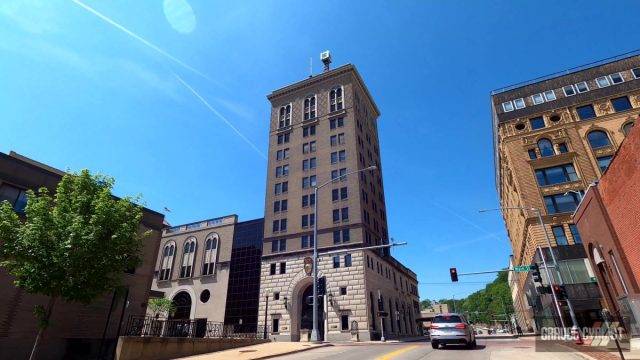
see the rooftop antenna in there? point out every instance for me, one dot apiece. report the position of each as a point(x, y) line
point(310, 67)
point(325, 56)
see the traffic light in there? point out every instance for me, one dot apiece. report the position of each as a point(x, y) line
point(454, 274)
point(322, 286)
point(535, 273)
point(561, 292)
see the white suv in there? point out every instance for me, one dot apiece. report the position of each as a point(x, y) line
point(451, 329)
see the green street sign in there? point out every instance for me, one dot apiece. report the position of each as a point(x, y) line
point(522, 268)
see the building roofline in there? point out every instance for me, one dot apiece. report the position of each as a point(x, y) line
point(566, 72)
point(321, 77)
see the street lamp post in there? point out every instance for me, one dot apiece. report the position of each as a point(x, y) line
point(314, 331)
point(572, 314)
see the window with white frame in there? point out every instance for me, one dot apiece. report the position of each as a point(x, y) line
point(507, 106)
point(284, 119)
point(569, 90)
point(616, 78)
point(188, 254)
point(335, 99)
point(537, 99)
point(549, 95)
point(210, 254)
point(310, 107)
point(519, 103)
point(168, 253)
point(602, 81)
point(636, 73)
point(582, 87)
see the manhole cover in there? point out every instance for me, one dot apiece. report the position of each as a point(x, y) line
point(244, 351)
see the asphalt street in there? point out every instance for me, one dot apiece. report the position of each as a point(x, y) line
point(487, 349)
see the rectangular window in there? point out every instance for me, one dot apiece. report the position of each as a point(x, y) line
point(344, 322)
point(334, 157)
point(272, 270)
point(16, 197)
point(276, 295)
point(343, 193)
point(275, 326)
point(342, 155)
point(536, 123)
point(343, 291)
point(616, 78)
point(336, 262)
point(283, 138)
point(558, 233)
point(279, 155)
point(333, 140)
point(336, 123)
point(604, 161)
point(306, 241)
point(537, 99)
point(345, 214)
point(561, 203)
point(621, 104)
point(336, 236)
point(305, 220)
point(283, 268)
point(582, 87)
point(556, 175)
point(276, 206)
point(636, 73)
point(603, 81)
point(550, 95)
point(346, 236)
point(586, 112)
point(532, 154)
point(507, 106)
point(347, 260)
point(569, 90)
point(335, 195)
point(308, 131)
point(576, 235)
point(341, 139)
point(519, 103)
point(562, 147)
point(336, 215)
point(276, 226)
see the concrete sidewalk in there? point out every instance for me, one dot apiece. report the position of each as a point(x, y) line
point(254, 352)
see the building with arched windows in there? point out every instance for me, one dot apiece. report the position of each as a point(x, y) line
point(553, 137)
point(211, 270)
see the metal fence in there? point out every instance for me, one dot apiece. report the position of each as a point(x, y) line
point(191, 328)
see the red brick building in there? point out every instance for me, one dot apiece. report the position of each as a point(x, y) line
point(608, 220)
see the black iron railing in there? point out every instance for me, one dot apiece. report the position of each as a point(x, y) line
point(192, 328)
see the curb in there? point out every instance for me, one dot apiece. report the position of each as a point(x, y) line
point(291, 352)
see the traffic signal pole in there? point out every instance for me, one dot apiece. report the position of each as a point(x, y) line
point(553, 291)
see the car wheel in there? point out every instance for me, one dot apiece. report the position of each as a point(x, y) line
point(434, 344)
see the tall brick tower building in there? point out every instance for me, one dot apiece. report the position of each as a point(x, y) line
point(552, 138)
point(320, 128)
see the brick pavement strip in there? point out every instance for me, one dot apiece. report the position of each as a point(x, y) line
point(255, 352)
point(591, 354)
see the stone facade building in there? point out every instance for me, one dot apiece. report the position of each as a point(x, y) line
point(211, 270)
point(76, 331)
point(321, 128)
point(609, 222)
point(552, 138)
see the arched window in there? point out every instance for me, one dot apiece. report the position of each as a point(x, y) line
point(310, 107)
point(546, 147)
point(189, 250)
point(598, 139)
point(335, 99)
point(167, 260)
point(284, 119)
point(627, 127)
point(210, 254)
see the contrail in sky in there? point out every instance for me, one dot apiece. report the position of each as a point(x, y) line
point(217, 113)
point(139, 38)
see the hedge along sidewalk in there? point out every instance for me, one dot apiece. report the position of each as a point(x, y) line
point(254, 352)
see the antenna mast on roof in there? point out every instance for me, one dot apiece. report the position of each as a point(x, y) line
point(325, 56)
point(310, 67)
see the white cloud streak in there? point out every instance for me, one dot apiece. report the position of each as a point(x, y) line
point(222, 117)
point(139, 38)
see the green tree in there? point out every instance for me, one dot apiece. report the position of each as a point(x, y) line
point(425, 304)
point(72, 246)
point(161, 307)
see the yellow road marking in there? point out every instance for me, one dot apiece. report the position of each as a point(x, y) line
point(391, 355)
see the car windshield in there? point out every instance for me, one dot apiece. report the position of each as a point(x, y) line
point(447, 319)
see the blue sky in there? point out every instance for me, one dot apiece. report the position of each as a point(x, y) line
point(78, 92)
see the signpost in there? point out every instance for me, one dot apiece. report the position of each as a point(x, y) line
point(522, 268)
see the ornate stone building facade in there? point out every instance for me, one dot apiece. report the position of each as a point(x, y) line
point(321, 128)
point(552, 138)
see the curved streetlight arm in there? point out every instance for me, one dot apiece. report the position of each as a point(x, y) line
point(372, 167)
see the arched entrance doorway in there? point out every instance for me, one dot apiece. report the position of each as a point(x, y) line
point(182, 302)
point(306, 312)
